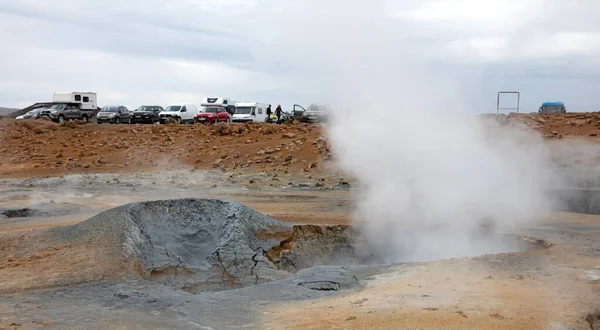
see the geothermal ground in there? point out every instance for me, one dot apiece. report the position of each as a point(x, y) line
point(160, 226)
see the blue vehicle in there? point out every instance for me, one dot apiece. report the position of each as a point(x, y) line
point(553, 107)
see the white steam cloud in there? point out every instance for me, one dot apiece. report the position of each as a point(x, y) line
point(433, 180)
point(435, 174)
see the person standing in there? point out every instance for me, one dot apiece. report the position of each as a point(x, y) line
point(269, 112)
point(278, 112)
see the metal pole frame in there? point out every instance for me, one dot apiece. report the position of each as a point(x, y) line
point(508, 92)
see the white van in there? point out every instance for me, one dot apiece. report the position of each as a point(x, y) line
point(182, 113)
point(250, 111)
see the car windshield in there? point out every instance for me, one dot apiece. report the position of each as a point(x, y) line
point(57, 107)
point(173, 108)
point(146, 108)
point(110, 109)
point(34, 112)
point(243, 110)
point(210, 110)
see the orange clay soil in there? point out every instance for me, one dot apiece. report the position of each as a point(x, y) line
point(33, 148)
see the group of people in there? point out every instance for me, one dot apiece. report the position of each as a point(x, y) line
point(278, 113)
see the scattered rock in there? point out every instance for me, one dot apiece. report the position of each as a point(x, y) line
point(497, 316)
point(121, 295)
point(217, 163)
point(360, 301)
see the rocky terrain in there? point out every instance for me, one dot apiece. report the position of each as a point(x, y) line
point(555, 126)
point(35, 148)
point(31, 147)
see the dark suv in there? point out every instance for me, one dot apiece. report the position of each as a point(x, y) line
point(146, 114)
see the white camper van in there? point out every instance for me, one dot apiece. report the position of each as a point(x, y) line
point(229, 104)
point(86, 100)
point(250, 111)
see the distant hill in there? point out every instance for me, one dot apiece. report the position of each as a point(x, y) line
point(5, 111)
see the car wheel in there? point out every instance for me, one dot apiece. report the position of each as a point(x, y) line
point(117, 120)
point(85, 119)
point(178, 120)
point(61, 119)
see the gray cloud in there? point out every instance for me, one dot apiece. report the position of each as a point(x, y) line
point(281, 52)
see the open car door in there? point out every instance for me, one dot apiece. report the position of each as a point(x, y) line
point(297, 111)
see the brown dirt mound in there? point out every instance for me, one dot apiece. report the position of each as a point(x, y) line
point(554, 125)
point(72, 148)
point(37, 126)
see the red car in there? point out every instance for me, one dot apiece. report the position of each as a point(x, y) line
point(212, 115)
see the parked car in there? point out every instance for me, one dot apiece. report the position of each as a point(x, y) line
point(146, 114)
point(181, 113)
point(553, 107)
point(113, 114)
point(60, 112)
point(316, 113)
point(33, 114)
point(213, 115)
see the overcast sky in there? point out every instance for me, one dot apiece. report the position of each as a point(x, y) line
point(159, 52)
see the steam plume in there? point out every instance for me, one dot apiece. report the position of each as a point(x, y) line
point(435, 174)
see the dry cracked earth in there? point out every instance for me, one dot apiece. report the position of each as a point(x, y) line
point(203, 227)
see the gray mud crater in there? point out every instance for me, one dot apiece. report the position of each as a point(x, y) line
point(201, 245)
